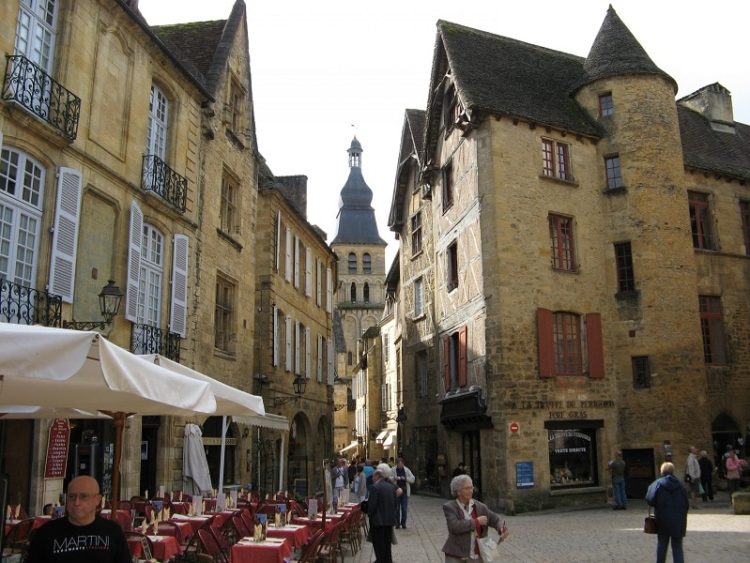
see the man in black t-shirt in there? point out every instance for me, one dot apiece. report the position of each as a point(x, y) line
point(81, 536)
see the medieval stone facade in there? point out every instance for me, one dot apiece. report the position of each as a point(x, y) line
point(588, 267)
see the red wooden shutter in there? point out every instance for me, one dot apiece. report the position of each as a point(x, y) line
point(595, 345)
point(447, 362)
point(545, 342)
point(462, 356)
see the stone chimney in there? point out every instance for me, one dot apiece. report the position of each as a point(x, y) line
point(714, 102)
point(294, 189)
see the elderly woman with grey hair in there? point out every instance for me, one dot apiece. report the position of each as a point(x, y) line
point(467, 520)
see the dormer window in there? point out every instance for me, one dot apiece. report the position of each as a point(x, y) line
point(451, 107)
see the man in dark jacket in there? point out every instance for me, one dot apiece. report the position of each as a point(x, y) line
point(670, 502)
point(707, 470)
point(381, 508)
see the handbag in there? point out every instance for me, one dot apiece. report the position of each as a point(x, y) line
point(488, 549)
point(649, 523)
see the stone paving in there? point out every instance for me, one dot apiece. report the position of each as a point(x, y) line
point(598, 534)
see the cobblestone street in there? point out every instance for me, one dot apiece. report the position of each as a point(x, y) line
point(714, 534)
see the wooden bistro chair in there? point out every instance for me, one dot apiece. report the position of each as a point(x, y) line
point(311, 549)
point(17, 539)
point(208, 545)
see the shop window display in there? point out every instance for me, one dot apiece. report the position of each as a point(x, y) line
point(572, 457)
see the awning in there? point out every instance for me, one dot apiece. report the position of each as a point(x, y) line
point(388, 443)
point(349, 447)
point(464, 411)
point(380, 437)
point(272, 421)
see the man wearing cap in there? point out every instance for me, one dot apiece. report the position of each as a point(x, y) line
point(381, 508)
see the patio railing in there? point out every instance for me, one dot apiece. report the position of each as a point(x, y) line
point(32, 88)
point(28, 306)
point(159, 178)
point(147, 339)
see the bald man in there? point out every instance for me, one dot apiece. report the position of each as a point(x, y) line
point(81, 536)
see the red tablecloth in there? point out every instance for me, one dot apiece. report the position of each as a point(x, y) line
point(316, 524)
point(38, 521)
point(246, 551)
point(297, 535)
point(186, 528)
point(180, 507)
point(194, 521)
point(165, 547)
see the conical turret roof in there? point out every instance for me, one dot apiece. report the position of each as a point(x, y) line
point(617, 52)
point(356, 218)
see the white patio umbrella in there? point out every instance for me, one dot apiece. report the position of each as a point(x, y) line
point(230, 401)
point(17, 412)
point(58, 368)
point(195, 471)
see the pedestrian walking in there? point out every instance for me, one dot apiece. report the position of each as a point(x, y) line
point(467, 520)
point(404, 479)
point(340, 480)
point(693, 476)
point(617, 470)
point(707, 470)
point(381, 509)
point(670, 502)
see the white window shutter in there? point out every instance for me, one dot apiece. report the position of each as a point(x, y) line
point(178, 309)
point(297, 346)
point(134, 262)
point(329, 290)
point(1, 140)
point(288, 261)
point(319, 371)
point(308, 354)
point(278, 241)
point(330, 362)
point(65, 236)
point(308, 271)
point(296, 261)
point(288, 331)
point(319, 282)
point(275, 335)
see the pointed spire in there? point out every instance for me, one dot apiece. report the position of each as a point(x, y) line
point(616, 52)
point(356, 219)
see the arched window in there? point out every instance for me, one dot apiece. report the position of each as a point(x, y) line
point(366, 293)
point(352, 263)
point(367, 263)
point(353, 292)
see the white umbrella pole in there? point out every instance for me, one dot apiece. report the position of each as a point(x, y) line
point(221, 455)
point(282, 459)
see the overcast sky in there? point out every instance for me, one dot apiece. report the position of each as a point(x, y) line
point(325, 70)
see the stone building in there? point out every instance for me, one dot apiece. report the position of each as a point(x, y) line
point(295, 355)
point(361, 273)
point(128, 154)
point(588, 266)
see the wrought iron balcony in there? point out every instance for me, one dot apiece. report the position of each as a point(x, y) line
point(147, 339)
point(159, 178)
point(26, 306)
point(32, 88)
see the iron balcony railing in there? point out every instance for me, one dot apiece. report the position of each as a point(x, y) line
point(159, 178)
point(147, 339)
point(32, 88)
point(26, 306)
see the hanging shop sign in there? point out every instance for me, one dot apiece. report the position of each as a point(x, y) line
point(56, 462)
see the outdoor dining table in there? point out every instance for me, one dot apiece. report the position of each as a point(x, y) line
point(317, 522)
point(165, 547)
point(179, 507)
point(270, 550)
point(194, 521)
point(38, 521)
point(297, 534)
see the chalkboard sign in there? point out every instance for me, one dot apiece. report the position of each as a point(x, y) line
point(524, 475)
point(57, 449)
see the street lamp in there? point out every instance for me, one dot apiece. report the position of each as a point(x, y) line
point(299, 385)
point(110, 298)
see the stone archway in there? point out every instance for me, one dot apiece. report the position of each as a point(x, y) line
point(725, 431)
point(300, 462)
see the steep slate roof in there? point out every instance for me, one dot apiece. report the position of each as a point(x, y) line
point(616, 52)
point(412, 143)
point(194, 43)
point(706, 149)
point(500, 75)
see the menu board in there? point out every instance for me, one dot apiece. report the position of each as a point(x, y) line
point(57, 449)
point(524, 474)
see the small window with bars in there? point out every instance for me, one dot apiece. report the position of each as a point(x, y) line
point(641, 372)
